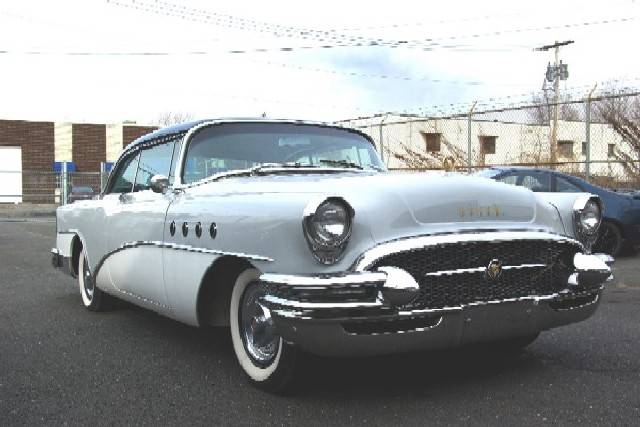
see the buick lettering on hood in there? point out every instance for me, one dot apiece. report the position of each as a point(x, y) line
point(294, 236)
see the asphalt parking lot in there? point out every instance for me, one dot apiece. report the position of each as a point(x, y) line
point(61, 364)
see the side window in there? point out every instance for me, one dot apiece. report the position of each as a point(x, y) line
point(509, 179)
point(153, 161)
point(565, 186)
point(538, 182)
point(123, 182)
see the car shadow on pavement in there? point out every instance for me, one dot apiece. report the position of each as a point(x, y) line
point(424, 372)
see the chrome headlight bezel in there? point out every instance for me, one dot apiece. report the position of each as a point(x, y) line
point(328, 248)
point(583, 212)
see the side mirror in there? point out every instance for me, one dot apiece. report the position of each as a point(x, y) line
point(159, 183)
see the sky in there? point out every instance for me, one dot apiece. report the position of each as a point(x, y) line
point(115, 60)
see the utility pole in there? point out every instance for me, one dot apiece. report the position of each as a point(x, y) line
point(555, 73)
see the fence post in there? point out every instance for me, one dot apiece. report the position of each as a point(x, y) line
point(64, 184)
point(382, 139)
point(587, 119)
point(469, 121)
point(103, 175)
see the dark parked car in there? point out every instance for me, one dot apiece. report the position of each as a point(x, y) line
point(621, 222)
point(81, 192)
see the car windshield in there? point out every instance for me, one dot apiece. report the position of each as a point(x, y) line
point(241, 146)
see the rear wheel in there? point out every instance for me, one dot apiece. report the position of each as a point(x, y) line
point(609, 239)
point(265, 358)
point(92, 297)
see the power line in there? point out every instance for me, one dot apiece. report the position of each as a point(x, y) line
point(338, 40)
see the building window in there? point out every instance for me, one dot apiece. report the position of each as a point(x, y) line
point(584, 148)
point(488, 144)
point(432, 142)
point(565, 149)
point(611, 150)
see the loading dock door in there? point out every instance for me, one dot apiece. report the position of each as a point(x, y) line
point(10, 174)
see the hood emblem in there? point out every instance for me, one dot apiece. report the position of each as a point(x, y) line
point(493, 270)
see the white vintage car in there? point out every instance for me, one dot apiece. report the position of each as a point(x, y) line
point(294, 235)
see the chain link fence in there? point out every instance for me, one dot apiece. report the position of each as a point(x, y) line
point(51, 187)
point(597, 139)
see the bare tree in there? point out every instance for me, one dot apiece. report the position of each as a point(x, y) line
point(171, 118)
point(622, 113)
point(542, 110)
point(447, 159)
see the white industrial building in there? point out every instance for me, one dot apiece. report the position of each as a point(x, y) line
point(495, 142)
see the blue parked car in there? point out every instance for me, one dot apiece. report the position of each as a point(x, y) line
point(621, 216)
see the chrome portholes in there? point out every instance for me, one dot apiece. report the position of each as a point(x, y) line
point(213, 230)
point(185, 229)
point(198, 229)
point(172, 228)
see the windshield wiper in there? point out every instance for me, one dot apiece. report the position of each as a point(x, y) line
point(343, 163)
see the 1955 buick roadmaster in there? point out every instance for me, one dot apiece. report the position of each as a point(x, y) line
point(295, 236)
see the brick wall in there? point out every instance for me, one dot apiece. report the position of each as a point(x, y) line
point(37, 142)
point(89, 146)
point(131, 133)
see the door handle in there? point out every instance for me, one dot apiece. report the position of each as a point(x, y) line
point(124, 198)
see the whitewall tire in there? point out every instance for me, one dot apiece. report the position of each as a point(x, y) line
point(92, 297)
point(265, 358)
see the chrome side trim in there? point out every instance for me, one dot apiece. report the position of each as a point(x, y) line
point(412, 243)
point(167, 245)
point(482, 269)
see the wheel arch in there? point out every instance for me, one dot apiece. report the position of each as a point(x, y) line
point(76, 247)
point(617, 223)
point(214, 295)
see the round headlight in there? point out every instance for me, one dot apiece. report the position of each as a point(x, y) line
point(330, 224)
point(327, 229)
point(587, 216)
point(590, 217)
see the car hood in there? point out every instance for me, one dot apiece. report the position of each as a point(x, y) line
point(424, 197)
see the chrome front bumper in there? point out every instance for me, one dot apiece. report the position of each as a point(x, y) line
point(359, 313)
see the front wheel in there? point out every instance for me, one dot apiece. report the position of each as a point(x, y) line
point(265, 358)
point(609, 239)
point(92, 297)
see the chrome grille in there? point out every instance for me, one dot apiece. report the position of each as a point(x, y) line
point(546, 272)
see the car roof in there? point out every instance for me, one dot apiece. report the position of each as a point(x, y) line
point(185, 127)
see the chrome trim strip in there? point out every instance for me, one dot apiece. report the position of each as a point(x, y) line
point(407, 331)
point(369, 257)
point(593, 301)
point(363, 278)
point(166, 245)
point(188, 248)
point(482, 269)
point(282, 302)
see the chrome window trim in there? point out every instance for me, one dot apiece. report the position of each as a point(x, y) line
point(368, 258)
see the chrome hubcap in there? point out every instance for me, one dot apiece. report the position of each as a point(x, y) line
point(87, 281)
point(256, 325)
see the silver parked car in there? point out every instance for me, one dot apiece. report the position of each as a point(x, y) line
point(294, 235)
